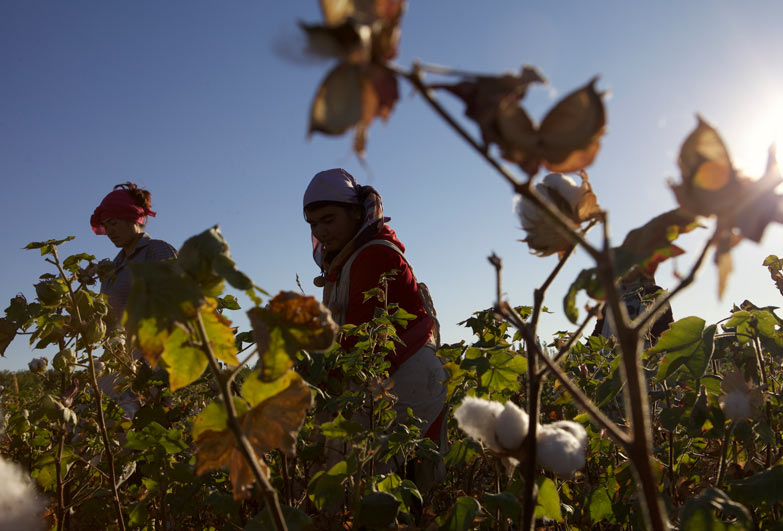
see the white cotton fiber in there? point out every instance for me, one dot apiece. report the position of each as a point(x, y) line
point(477, 418)
point(736, 406)
point(574, 428)
point(20, 505)
point(511, 426)
point(559, 451)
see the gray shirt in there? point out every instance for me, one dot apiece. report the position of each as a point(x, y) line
point(117, 288)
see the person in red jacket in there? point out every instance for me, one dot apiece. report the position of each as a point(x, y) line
point(353, 246)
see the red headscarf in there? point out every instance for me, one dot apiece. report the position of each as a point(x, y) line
point(118, 204)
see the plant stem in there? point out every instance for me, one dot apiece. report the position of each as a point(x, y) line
point(61, 512)
point(98, 400)
point(641, 448)
point(582, 401)
point(245, 448)
point(723, 454)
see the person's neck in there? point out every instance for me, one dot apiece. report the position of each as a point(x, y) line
point(128, 249)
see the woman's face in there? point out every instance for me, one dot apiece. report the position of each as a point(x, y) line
point(122, 233)
point(333, 225)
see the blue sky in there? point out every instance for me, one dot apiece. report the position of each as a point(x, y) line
point(206, 104)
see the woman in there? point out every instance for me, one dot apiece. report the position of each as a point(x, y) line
point(353, 246)
point(122, 216)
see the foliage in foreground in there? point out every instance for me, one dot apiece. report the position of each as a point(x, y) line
point(304, 435)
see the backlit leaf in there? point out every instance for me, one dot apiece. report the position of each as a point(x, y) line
point(274, 422)
point(503, 372)
point(548, 501)
point(567, 140)
point(483, 96)
point(650, 244)
point(338, 105)
point(588, 281)
point(290, 322)
point(184, 361)
point(160, 298)
point(600, 505)
point(686, 342)
point(207, 260)
point(462, 514)
point(219, 333)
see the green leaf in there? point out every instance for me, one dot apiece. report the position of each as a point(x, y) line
point(7, 334)
point(462, 453)
point(611, 385)
point(588, 281)
point(699, 513)
point(340, 428)
point(711, 383)
point(749, 324)
point(215, 418)
point(45, 468)
point(548, 502)
point(295, 520)
point(686, 342)
point(461, 516)
point(600, 505)
point(184, 362)
point(378, 509)
point(229, 302)
point(160, 298)
point(503, 372)
point(506, 502)
point(325, 489)
point(206, 258)
point(763, 487)
point(46, 247)
point(255, 390)
point(72, 262)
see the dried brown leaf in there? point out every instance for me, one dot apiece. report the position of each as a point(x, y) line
point(338, 103)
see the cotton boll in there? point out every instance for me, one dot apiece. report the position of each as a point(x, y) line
point(477, 418)
point(559, 451)
point(20, 505)
point(576, 202)
point(511, 426)
point(574, 428)
point(736, 406)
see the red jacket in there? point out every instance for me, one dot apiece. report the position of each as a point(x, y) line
point(367, 267)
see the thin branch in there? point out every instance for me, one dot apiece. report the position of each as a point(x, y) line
point(247, 451)
point(98, 399)
point(414, 77)
point(582, 401)
point(242, 363)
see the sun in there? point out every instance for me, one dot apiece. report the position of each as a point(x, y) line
point(762, 127)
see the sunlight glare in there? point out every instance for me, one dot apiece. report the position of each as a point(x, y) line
point(762, 129)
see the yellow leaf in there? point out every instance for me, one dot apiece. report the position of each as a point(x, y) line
point(221, 337)
point(151, 339)
point(184, 361)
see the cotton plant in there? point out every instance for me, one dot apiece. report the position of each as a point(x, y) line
point(576, 202)
point(21, 506)
point(503, 428)
point(740, 400)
